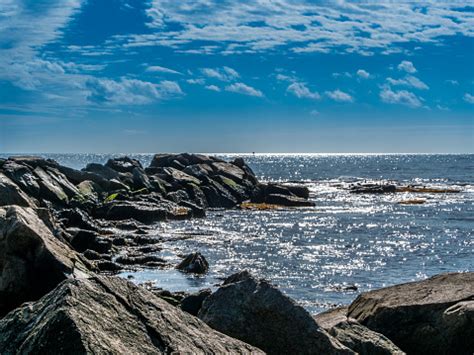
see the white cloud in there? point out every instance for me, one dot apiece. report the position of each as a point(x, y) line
point(468, 98)
point(213, 88)
point(284, 77)
point(402, 97)
point(158, 69)
point(258, 26)
point(453, 82)
point(244, 89)
point(407, 66)
point(410, 81)
point(222, 74)
point(340, 96)
point(130, 91)
point(198, 81)
point(361, 73)
point(301, 91)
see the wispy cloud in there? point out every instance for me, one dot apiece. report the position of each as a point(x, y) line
point(361, 73)
point(244, 89)
point(213, 88)
point(222, 74)
point(300, 90)
point(410, 81)
point(468, 98)
point(340, 96)
point(158, 69)
point(402, 97)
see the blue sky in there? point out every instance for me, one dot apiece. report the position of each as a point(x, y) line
point(236, 76)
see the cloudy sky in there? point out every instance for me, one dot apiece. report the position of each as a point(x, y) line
point(236, 76)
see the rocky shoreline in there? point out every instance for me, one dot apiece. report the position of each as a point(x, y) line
point(65, 232)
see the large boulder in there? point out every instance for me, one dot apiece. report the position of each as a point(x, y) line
point(434, 316)
point(106, 315)
point(11, 194)
point(123, 164)
point(194, 263)
point(32, 260)
point(22, 176)
point(256, 312)
point(354, 335)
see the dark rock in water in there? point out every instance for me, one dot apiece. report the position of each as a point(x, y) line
point(373, 189)
point(193, 303)
point(123, 164)
point(108, 315)
point(218, 196)
point(289, 201)
point(32, 260)
point(198, 212)
point(298, 190)
point(434, 316)
point(194, 263)
point(78, 218)
point(354, 335)
point(259, 314)
point(11, 194)
point(237, 277)
point(101, 170)
point(93, 255)
point(139, 260)
point(108, 266)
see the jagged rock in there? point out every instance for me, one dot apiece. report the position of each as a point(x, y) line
point(259, 314)
point(83, 239)
point(108, 265)
point(289, 201)
point(139, 260)
point(423, 317)
point(108, 315)
point(218, 196)
point(140, 179)
point(101, 170)
point(193, 303)
point(32, 260)
point(229, 170)
point(78, 218)
point(140, 211)
point(354, 335)
point(49, 188)
point(11, 194)
point(194, 263)
point(123, 164)
point(200, 171)
point(89, 189)
point(373, 189)
point(22, 176)
point(174, 176)
point(298, 190)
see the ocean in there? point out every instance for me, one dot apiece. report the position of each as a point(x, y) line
point(326, 255)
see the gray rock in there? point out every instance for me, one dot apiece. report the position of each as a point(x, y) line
point(108, 315)
point(289, 201)
point(11, 194)
point(101, 170)
point(123, 164)
point(424, 317)
point(32, 260)
point(354, 335)
point(259, 314)
point(193, 303)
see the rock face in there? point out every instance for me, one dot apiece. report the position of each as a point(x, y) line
point(259, 314)
point(354, 335)
point(106, 315)
point(434, 316)
point(11, 194)
point(194, 263)
point(32, 260)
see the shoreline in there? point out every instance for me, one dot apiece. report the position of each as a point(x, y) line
point(62, 227)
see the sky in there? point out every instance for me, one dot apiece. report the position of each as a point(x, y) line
point(236, 76)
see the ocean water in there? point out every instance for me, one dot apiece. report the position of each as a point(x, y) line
point(314, 254)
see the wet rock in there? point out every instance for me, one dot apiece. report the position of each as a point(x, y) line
point(109, 315)
point(373, 189)
point(354, 335)
point(108, 266)
point(11, 194)
point(259, 314)
point(32, 260)
point(289, 201)
point(78, 218)
point(193, 303)
point(139, 260)
point(140, 211)
point(420, 317)
point(298, 190)
point(85, 239)
point(218, 196)
point(194, 263)
point(93, 255)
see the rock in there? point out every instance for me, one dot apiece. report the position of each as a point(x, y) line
point(193, 303)
point(93, 255)
point(218, 196)
point(11, 194)
point(140, 211)
point(289, 201)
point(101, 170)
point(78, 218)
point(23, 177)
point(123, 164)
point(373, 188)
point(108, 315)
point(354, 335)
point(194, 263)
point(85, 239)
point(174, 176)
point(200, 171)
point(89, 189)
point(108, 266)
point(259, 314)
point(32, 260)
point(50, 189)
point(421, 317)
point(141, 180)
point(139, 260)
point(298, 190)
point(229, 170)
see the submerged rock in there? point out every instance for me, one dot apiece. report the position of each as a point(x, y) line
point(434, 316)
point(111, 316)
point(259, 314)
point(194, 263)
point(32, 260)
